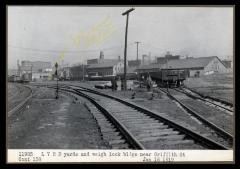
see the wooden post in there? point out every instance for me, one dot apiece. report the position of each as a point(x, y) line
point(125, 49)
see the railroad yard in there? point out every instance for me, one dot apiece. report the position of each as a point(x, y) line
point(84, 117)
point(116, 84)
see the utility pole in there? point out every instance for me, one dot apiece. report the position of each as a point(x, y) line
point(149, 58)
point(83, 70)
point(31, 71)
point(167, 76)
point(125, 49)
point(56, 73)
point(137, 49)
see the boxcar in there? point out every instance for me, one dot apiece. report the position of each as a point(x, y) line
point(165, 77)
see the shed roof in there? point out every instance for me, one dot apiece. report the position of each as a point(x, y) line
point(104, 63)
point(189, 63)
point(181, 63)
point(129, 70)
point(152, 66)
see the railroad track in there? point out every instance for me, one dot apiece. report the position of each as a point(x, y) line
point(218, 105)
point(22, 104)
point(219, 131)
point(136, 127)
point(213, 99)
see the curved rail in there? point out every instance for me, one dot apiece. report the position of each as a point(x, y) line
point(20, 106)
point(126, 134)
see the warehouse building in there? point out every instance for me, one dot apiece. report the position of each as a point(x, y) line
point(104, 67)
point(134, 63)
point(77, 72)
point(194, 67)
point(198, 66)
point(149, 68)
point(168, 56)
point(130, 74)
point(34, 70)
point(107, 67)
point(227, 63)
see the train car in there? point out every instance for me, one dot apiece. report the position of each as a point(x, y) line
point(165, 77)
point(173, 77)
point(13, 78)
point(25, 78)
point(100, 78)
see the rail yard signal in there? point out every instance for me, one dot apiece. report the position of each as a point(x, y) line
point(56, 73)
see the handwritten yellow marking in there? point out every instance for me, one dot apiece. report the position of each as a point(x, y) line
point(96, 35)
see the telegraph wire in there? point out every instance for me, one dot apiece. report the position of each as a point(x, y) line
point(58, 51)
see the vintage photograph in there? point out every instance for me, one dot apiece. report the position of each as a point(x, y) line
point(120, 78)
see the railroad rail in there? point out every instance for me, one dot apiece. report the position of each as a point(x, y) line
point(143, 128)
point(209, 97)
point(21, 105)
point(219, 131)
point(204, 99)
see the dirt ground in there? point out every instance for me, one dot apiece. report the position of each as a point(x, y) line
point(214, 85)
point(47, 123)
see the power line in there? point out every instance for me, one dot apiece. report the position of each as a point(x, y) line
point(58, 51)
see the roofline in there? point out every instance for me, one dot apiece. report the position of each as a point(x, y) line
point(100, 67)
point(184, 68)
point(221, 62)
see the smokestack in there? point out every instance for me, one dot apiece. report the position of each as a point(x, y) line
point(18, 66)
point(101, 55)
point(119, 58)
point(149, 58)
point(143, 61)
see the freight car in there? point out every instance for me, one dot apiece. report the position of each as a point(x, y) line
point(165, 77)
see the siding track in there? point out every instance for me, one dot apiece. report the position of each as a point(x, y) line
point(175, 95)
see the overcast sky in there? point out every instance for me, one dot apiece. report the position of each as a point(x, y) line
point(74, 34)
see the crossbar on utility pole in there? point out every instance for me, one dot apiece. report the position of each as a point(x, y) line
point(125, 49)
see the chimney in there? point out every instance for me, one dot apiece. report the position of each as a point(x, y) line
point(101, 55)
point(149, 58)
point(18, 66)
point(143, 58)
point(119, 58)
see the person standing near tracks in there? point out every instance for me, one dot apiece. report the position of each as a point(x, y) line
point(149, 83)
point(114, 84)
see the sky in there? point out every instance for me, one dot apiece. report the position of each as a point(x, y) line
point(73, 34)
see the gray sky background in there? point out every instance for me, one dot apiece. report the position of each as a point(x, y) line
point(51, 33)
